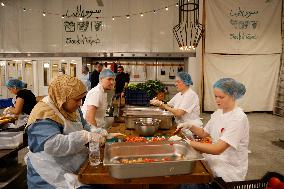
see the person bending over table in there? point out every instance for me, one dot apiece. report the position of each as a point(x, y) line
point(23, 103)
point(57, 137)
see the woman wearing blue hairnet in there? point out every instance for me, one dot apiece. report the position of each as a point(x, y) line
point(228, 127)
point(24, 102)
point(185, 104)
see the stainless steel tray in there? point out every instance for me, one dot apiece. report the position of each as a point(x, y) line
point(180, 158)
point(133, 113)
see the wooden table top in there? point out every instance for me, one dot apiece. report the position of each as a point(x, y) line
point(100, 175)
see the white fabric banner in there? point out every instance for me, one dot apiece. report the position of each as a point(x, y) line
point(243, 27)
point(259, 73)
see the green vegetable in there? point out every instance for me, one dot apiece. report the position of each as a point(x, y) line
point(151, 87)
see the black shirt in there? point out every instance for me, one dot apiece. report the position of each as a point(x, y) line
point(120, 80)
point(94, 78)
point(29, 100)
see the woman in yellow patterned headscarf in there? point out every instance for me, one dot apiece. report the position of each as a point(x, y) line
point(60, 90)
point(57, 135)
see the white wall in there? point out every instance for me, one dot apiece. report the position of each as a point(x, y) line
point(29, 31)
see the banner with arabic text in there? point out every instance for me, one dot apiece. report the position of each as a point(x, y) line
point(243, 27)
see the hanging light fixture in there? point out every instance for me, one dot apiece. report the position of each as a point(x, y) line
point(188, 31)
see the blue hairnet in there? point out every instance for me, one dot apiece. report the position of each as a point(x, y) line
point(15, 83)
point(231, 87)
point(185, 77)
point(106, 73)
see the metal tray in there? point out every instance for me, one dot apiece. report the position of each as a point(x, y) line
point(181, 158)
point(133, 113)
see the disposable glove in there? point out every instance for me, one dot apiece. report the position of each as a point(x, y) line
point(96, 137)
point(7, 111)
point(189, 124)
point(183, 126)
point(99, 130)
point(112, 135)
point(156, 102)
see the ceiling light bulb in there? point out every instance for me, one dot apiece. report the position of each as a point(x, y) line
point(43, 14)
point(127, 16)
point(141, 14)
point(167, 8)
point(24, 9)
point(2, 4)
point(80, 18)
point(177, 5)
point(112, 18)
point(62, 16)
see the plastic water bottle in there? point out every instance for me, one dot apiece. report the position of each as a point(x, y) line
point(94, 153)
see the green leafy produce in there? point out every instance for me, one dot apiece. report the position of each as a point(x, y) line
point(151, 87)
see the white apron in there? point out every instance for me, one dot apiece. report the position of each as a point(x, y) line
point(59, 171)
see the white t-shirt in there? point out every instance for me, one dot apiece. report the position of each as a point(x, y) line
point(188, 102)
point(233, 128)
point(96, 97)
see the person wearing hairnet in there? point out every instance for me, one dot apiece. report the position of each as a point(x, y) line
point(228, 127)
point(185, 104)
point(57, 135)
point(95, 105)
point(23, 103)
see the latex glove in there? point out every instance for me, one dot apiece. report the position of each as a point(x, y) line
point(99, 130)
point(97, 137)
point(156, 102)
point(183, 126)
point(7, 111)
point(112, 135)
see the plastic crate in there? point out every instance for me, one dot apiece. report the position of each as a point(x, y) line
point(249, 184)
point(4, 103)
point(137, 97)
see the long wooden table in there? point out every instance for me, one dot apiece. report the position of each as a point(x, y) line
point(99, 175)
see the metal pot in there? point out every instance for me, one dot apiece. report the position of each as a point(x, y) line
point(147, 126)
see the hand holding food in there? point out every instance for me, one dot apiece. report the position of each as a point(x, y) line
point(112, 135)
point(7, 111)
point(156, 102)
point(96, 137)
point(185, 125)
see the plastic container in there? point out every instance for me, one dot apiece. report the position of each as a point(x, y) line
point(137, 97)
point(4, 103)
point(249, 184)
point(10, 140)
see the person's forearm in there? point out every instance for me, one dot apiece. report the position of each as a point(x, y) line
point(178, 113)
point(198, 131)
point(215, 149)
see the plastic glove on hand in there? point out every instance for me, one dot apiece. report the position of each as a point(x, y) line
point(185, 125)
point(99, 130)
point(112, 135)
point(6, 111)
point(155, 102)
point(96, 137)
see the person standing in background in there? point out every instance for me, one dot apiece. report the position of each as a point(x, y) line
point(95, 105)
point(94, 77)
point(85, 78)
point(121, 81)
